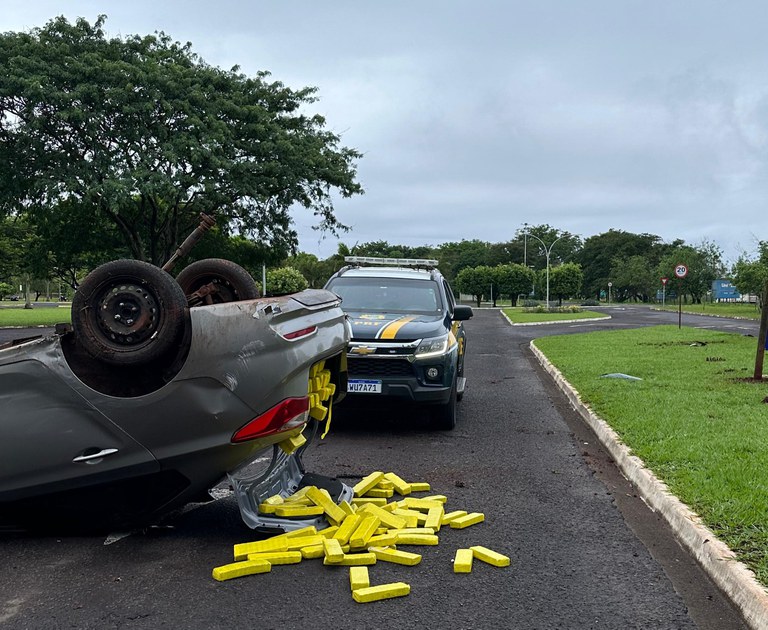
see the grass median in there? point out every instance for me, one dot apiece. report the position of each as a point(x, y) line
point(721, 309)
point(696, 419)
point(35, 316)
point(520, 316)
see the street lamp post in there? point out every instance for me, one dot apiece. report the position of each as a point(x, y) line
point(547, 251)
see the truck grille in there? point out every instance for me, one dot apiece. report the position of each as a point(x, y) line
point(360, 367)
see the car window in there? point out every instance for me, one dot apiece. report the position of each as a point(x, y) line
point(387, 295)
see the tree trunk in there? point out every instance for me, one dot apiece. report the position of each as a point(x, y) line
point(761, 336)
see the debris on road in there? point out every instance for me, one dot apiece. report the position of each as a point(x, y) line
point(360, 532)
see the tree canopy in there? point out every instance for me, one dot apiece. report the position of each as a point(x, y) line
point(142, 133)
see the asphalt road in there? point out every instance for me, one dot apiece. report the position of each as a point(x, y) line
point(586, 552)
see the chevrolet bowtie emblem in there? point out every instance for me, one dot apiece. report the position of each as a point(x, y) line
point(362, 350)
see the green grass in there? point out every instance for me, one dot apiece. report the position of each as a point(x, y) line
point(35, 316)
point(723, 309)
point(695, 419)
point(517, 316)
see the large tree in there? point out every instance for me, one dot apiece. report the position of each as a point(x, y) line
point(143, 133)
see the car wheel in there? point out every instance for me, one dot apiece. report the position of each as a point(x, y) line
point(128, 312)
point(445, 414)
point(216, 281)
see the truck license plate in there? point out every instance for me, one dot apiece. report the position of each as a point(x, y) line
point(363, 386)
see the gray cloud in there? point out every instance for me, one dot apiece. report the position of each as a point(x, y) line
point(475, 118)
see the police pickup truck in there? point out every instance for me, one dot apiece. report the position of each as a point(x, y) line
point(408, 341)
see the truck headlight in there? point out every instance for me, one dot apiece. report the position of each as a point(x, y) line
point(433, 347)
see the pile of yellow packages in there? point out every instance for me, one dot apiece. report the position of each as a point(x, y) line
point(367, 529)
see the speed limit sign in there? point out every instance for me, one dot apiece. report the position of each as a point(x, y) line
point(681, 271)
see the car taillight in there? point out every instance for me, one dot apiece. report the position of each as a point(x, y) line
point(296, 334)
point(284, 416)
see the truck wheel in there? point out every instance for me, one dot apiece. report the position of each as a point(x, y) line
point(128, 312)
point(445, 415)
point(216, 281)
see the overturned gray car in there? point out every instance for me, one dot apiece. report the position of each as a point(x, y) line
point(161, 388)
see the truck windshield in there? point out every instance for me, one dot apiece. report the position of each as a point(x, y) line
point(387, 295)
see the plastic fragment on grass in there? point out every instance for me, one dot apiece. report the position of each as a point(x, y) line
point(240, 569)
point(462, 561)
point(382, 591)
point(620, 375)
point(491, 557)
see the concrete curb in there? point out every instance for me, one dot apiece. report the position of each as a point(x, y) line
point(555, 321)
point(731, 576)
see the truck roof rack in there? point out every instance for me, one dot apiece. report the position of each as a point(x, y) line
point(422, 263)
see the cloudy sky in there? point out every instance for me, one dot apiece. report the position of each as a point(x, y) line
point(478, 117)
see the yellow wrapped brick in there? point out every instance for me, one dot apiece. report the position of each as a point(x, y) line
point(382, 591)
point(382, 540)
point(420, 486)
point(239, 569)
point(346, 528)
point(358, 501)
point(329, 532)
point(434, 518)
point(289, 445)
point(358, 578)
point(450, 516)
point(421, 504)
point(417, 539)
point(347, 507)
point(296, 544)
point(402, 487)
point(465, 521)
point(324, 501)
point(353, 560)
point(298, 510)
point(440, 498)
point(387, 519)
point(462, 561)
point(367, 482)
point(241, 550)
point(385, 484)
point(364, 531)
point(393, 555)
point(411, 530)
point(491, 557)
point(332, 550)
point(277, 557)
point(379, 493)
point(313, 551)
point(309, 530)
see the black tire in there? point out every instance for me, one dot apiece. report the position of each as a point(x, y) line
point(128, 312)
point(445, 415)
point(230, 281)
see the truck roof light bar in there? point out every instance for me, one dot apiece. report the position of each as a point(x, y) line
point(399, 262)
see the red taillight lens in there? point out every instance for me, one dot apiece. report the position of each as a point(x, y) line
point(299, 333)
point(284, 416)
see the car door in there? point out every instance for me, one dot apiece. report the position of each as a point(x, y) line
point(52, 439)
